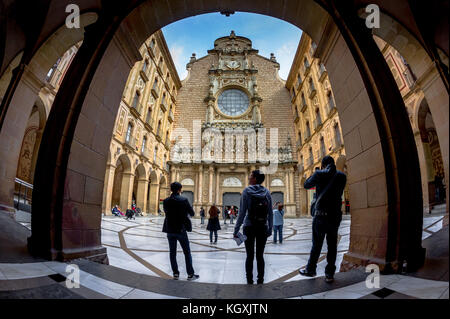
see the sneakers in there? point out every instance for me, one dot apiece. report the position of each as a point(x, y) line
point(176, 276)
point(329, 278)
point(306, 273)
point(193, 277)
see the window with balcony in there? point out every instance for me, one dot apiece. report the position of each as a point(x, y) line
point(299, 141)
point(311, 157)
point(299, 80)
point(312, 88)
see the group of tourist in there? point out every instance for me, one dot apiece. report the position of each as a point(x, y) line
point(259, 219)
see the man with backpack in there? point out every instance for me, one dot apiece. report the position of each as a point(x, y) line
point(257, 217)
point(330, 184)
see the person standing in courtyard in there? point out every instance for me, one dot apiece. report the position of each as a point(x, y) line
point(213, 223)
point(176, 224)
point(330, 184)
point(224, 215)
point(256, 214)
point(202, 215)
point(278, 215)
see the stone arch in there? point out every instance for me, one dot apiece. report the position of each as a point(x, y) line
point(232, 182)
point(122, 183)
point(276, 182)
point(187, 182)
point(367, 99)
point(32, 75)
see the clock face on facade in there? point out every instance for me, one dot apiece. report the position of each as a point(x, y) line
point(233, 102)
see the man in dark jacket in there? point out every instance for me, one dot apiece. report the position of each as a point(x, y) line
point(176, 225)
point(328, 215)
point(256, 231)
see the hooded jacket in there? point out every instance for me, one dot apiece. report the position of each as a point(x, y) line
point(257, 191)
point(331, 202)
point(177, 209)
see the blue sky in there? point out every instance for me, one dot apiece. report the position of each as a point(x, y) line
point(197, 35)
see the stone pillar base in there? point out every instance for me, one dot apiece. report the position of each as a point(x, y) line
point(291, 210)
point(9, 211)
point(352, 261)
point(96, 254)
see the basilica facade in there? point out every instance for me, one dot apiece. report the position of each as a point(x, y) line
point(233, 116)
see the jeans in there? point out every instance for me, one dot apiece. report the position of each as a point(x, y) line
point(231, 219)
point(324, 226)
point(258, 235)
point(277, 229)
point(202, 220)
point(211, 232)
point(184, 242)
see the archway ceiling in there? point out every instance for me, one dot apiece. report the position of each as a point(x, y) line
point(18, 30)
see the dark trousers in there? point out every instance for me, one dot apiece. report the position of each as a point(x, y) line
point(324, 226)
point(184, 242)
point(211, 232)
point(258, 236)
point(277, 229)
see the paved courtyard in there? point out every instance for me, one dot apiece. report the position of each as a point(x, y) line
point(140, 246)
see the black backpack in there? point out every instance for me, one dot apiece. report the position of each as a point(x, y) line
point(257, 212)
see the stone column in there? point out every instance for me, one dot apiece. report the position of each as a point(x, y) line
point(217, 192)
point(141, 196)
point(211, 175)
point(200, 185)
point(154, 199)
point(108, 189)
point(126, 191)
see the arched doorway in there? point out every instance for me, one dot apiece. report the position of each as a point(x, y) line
point(277, 197)
point(28, 157)
point(433, 174)
point(121, 193)
point(366, 99)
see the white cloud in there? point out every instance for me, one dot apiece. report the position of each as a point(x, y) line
point(285, 56)
point(180, 59)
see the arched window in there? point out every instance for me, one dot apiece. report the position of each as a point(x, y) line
point(322, 147)
point(155, 154)
point(158, 131)
point(155, 84)
point(129, 133)
point(330, 101)
point(318, 117)
point(303, 100)
point(308, 130)
point(311, 85)
point(306, 63)
point(145, 66)
point(337, 136)
point(311, 156)
point(149, 115)
point(136, 99)
point(300, 142)
point(144, 144)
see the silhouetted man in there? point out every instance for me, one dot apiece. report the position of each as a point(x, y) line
point(176, 225)
point(330, 184)
point(256, 214)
